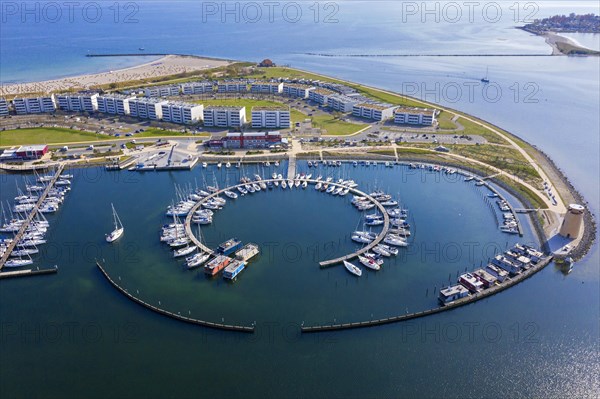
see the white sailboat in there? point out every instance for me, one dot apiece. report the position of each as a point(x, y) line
point(353, 268)
point(118, 231)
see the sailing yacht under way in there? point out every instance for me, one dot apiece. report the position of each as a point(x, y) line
point(118, 231)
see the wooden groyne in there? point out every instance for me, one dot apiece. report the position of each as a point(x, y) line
point(176, 316)
point(325, 263)
point(30, 217)
point(509, 282)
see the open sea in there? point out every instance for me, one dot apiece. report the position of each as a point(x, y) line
point(73, 335)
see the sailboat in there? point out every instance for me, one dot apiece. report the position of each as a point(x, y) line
point(118, 231)
point(353, 268)
point(485, 78)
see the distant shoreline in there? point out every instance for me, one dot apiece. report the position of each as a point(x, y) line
point(164, 66)
point(562, 45)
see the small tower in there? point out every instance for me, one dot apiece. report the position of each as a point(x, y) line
point(572, 221)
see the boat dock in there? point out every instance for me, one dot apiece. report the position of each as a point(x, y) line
point(30, 217)
point(509, 282)
point(176, 316)
point(291, 167)
point(372, 244)
point(325, 263)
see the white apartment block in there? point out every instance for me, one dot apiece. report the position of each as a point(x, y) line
point(34, 105)
point(115, 104)
point(297, 90)
point(377, 112)
point(3, 107)
point(232, 87)
point(271, 117)
point(146, 108)
point(415, 116)
point(78, 102)
point(320, 96)
point(196, 88)
point(341, 103)
point(266, 87)
point(182, 113)
point(224, 116)
point(161, 91)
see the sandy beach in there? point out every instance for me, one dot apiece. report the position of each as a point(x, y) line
point(168, 65)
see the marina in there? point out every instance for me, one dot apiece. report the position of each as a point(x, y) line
point(23, 237)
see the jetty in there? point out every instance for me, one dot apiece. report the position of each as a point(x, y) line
point(509, 282)
point(325, 263)
point(30, 217)
point(176, 316)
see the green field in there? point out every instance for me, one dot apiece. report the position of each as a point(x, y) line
point(46, 136)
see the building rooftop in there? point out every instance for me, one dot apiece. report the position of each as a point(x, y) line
point(117, 95)
point(341, 97)
point(224, 108)
point(299, 85)
point(376, 106)
point(325, 92)
point(415, 111)
point(453, 290)
point(182, 104)
point(150, 100)
point(39, 147)
point(270, 108)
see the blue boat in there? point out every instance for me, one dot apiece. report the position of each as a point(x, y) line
point(233, 269)
point(229, 246)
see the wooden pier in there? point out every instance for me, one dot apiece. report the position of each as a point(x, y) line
point(325, 263)
point(176, 316)
point(509, 282)
point(30, 217)
point(291, 167)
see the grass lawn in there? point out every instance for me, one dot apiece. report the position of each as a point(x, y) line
point(334, 126)
point(445, 120)
point(46, 136)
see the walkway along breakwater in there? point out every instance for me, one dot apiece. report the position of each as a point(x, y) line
point(509, 282)
point(176, 316)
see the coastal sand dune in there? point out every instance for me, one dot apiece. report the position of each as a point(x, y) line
point(168, 65)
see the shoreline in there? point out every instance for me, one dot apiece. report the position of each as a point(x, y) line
point(537, 158)
point(162, 66)
point(569, 46)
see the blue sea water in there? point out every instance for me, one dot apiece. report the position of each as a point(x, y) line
point(548, 324)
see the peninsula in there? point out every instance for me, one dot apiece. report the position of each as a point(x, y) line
point(550, 28)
